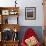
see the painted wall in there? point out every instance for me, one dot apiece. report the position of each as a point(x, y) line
point(26, 3)
point(39, 13)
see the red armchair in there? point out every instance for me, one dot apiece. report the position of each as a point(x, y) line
point(30, 34)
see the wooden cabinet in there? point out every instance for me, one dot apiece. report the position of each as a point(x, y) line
point(5, 26)
point(10, 43)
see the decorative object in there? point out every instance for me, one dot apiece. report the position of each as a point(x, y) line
point(13, 12)
point(15, 37)
point(15, 30)
point(6, 21)
point(15, 3)
point(5, 12)
point(7, 34)
point(30, 13)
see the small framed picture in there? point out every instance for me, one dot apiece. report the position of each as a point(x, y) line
point(5, 12)
point(30, 13)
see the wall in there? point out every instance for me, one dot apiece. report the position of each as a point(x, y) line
point(39, 12)
point(27, 3)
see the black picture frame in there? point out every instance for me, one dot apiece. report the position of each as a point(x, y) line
point(30, 13)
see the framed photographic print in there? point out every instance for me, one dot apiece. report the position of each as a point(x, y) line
point(30, 13)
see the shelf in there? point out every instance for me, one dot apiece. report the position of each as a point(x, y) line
point(6, 12)
point(9, 10)
point(7, 23)
point(10, 26)
point(10, 19)
point(11, 41)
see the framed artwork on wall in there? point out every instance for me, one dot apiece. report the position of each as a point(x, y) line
point(5, 12)
point(30, 13)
